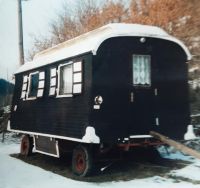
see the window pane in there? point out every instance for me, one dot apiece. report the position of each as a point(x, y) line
point(77, 88)
point(66, 79)
point(25, 79)
point(77, 77)
point(77, 66)
point(41, 84)
point(23, 94)
point(34, 85)
point(53, 72)
point(41, 76)
point(24, 87)
point(52, 91)
point(141, 70)
point(53, 81)
point(40, 92)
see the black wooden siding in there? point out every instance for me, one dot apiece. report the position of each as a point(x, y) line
point(67, 116)
point(112, 79)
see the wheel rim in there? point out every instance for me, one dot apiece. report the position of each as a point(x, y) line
point(24, 146)
point(80, 162)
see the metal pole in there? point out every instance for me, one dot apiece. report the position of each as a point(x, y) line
point(20, 33)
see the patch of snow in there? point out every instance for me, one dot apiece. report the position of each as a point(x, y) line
point(90, 136)
point(153, 182)
point(10, 145)
point(189, 172)
point(189, 135)
point(6, 109)
point(171, 153)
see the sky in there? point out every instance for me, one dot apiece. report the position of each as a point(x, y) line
point(37, 15)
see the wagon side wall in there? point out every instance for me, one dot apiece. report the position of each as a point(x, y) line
point(64, 116)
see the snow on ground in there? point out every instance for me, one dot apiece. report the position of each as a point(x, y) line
point(15, 173)
point(189, 172)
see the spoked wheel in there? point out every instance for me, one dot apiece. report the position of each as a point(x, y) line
point(82, 161)
point(26, 145)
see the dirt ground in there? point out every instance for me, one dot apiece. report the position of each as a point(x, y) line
point(135, 166)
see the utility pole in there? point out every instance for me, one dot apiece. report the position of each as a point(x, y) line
point(20, 33)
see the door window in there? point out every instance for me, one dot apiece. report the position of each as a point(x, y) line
point(141, 67)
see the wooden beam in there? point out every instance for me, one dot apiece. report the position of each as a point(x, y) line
point(175, 144)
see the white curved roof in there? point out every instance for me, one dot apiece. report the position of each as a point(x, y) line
point(90, 42)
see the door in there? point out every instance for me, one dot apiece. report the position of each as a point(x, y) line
point(171, 105)
point(142, 97)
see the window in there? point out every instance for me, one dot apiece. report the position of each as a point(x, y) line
point(66, 80)
point(33, 85)
point(141, 70)
point(69, 79)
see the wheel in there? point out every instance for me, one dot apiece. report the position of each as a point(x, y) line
point(26, 145)
point(82, 161)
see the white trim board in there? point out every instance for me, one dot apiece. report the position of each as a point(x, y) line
point(47, 135)
point(53, 136)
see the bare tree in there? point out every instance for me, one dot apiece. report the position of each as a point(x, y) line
point(178, 17)
point(87, 15)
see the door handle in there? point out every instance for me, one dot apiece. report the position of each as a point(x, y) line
point(155, 91)
point(132, 97)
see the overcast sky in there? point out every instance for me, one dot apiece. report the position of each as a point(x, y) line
point(37, 14)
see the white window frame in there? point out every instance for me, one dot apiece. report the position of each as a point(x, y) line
point(142, 85)
point(29, 85)
point(77, 86)
point(58, 88)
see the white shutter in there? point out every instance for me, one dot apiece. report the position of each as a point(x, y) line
point(77, 88)
point(52, 89)
point(24, 87)
point(77, 77)
point(41, 84)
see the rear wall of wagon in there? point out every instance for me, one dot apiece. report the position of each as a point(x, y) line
point(118, 117)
